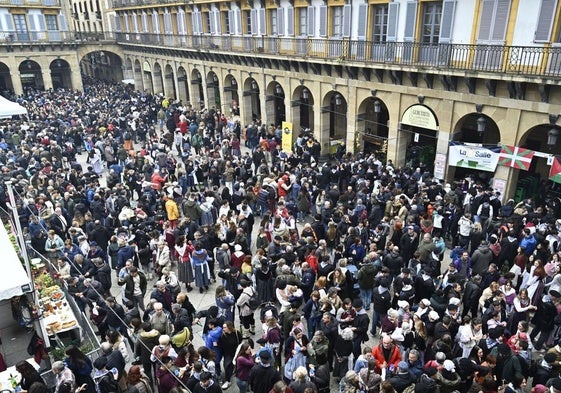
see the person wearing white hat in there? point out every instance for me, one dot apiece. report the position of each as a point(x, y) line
point(447, 378)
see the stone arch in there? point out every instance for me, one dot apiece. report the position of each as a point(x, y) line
point(197, 92)
point(157, 78)
point(61, 74)
point(231, 95)
point(275, 108)
point(31, 74)
point(169, 82)
point(182, 84)
point(251, 101)
point(6, 83)
point(372, 127)
point(302, 104)
point(213, 90)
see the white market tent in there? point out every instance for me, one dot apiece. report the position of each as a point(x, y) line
point(13, 278)
point(9, 108)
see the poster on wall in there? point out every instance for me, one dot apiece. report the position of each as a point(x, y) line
point(473, 157)
point(499, 185)
point(286, 136)
point(439, 165)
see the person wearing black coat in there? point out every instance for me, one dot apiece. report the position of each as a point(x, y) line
point(381, 304)
point(360, 327)
point(402, 378)
point(472, 293)
point(543, 319)
point(103, 275)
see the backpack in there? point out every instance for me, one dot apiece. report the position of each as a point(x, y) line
point(253, 303)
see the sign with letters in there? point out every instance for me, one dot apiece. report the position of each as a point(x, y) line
point(476, 158)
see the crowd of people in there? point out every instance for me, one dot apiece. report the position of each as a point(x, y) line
point(308, 259)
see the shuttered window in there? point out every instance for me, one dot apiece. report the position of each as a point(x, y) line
point(347, 14)
point(181, 28)
point(155, 23)
point(410, 21)
point(545, 21)
point(493, 21)
point(134, 22)
point(290, 21)
point(337, 21)
point(393, 13)
point(280, 21)
point(262, 23)
point(362, 19)
point(238, 14)
point(230, 22)
point(217, 22)
point(432, 13)
point(144, 21)
point(62, 20)
point(302, 21)
point(251, 17)
point(447, 23)
point(273, 22)
point(322, 20)
point(311, 13)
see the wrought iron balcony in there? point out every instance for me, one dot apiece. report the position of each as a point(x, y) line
point(52, 36)
point(33, 3)
point(513, 60)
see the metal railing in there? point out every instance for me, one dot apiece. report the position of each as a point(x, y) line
point(34, 3)
point(520, 60)
point(52, 36)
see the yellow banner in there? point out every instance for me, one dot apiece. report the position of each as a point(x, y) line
point(286, 136)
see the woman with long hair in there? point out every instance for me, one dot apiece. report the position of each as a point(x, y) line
point(183, 249)
point(29, 375)
point(244, 363)
point(469, 334)
point(225, 302)
point(81, 366)
point(521, 308)
point(229, 342)
point(535, 280)
point(136, 378)
point(369, 380)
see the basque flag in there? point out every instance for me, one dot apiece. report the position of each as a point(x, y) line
point(516, 157)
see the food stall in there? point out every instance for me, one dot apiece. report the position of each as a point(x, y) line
point(56, 315)
point(11, 372)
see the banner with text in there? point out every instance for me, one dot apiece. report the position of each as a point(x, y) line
point(286, 136)
point(473, 157)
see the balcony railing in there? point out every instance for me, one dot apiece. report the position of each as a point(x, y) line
point(33, 3)
point(518, 60)
point(52, 36)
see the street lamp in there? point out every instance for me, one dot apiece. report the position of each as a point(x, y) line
point(338, 100)
point(305, 94)
point(278, 90)
point(377, 106)
point(253, 85)
point(481, 124)
point(552, 137)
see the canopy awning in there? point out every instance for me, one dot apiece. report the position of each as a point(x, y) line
point(9, 108)
point(13, 279)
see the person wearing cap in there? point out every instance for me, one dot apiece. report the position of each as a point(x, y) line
point(447, 378)
point(264, 375)
point(402, 378)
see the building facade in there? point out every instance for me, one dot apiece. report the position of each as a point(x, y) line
point(404, 78)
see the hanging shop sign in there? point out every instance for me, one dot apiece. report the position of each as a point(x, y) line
point(476, 158)
point(439, 165)
point(419, 116)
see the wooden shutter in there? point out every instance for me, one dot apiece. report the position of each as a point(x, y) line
point(323, 21)
point(501, 20)
point(180, 16)
point(393, 14)
point(41, 22)
point(410, 21)
point(545, 20)
point(347, 14)
point(232, 20)
point(487, 10)
point(280, 21)
point(311, 21)
point(217, 22)
point(134, 23)
point(447, 21)
point(61, 19)
point(262, 23)
point(290, 21)
point(362, 20)
point(155, 23)
point(253, 17)
point(117, 21)
point(211, 22)
point(238, 14)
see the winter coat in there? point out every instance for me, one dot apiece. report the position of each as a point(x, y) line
point(366, 276)
point(481, 259)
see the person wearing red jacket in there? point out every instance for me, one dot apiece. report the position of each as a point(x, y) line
point(386, 355)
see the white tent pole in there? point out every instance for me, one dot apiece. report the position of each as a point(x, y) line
point(21, 241)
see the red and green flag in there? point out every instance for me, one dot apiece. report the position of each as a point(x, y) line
point(555, 170)
point(516, 157)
